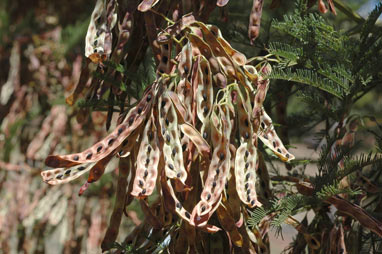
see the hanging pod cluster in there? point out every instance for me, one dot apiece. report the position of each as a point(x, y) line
point(203, 114)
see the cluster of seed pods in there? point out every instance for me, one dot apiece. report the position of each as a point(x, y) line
point(204, 114)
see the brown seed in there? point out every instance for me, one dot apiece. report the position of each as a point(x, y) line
point(164, 59)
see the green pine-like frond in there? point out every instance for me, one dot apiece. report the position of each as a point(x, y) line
point(256, 216)
point(370, 22)
point(285, 50)
point(308, 77)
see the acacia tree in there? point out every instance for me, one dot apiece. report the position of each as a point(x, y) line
point(194, 141)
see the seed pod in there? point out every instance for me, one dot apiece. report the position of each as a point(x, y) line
point(128, 144)
point(218, 169)
point(165, 42)
point(269, 137)
point(99, 168)
point(238, 57)
point(146, 5)
point(255, 19)
point(261, 93)
point(202, 82)
point(321, 6)
point(251, 73)
point(228, 224)
point(221, 3)
point(199, 46)
point(196, 138)
point(106, 146)
point(99, 36)
point(224, 60)
point(246, 156)
point(64, 175)
point(185, 60)
point(147, 162)
point(169, 129)
point(173, 204)
point(341, 246)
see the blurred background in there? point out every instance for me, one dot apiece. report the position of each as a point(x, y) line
point(41, 58)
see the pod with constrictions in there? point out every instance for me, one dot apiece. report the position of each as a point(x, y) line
point(218, 169)
point(169, 130)
point(261, 93)
point(255, 19)
point(268, 136)
point(173, 204)
point(147, 161)
point(202, 83)
point(98, 41)
point(113, 141)
point(225, 62)
point(246, 154)
point(183, 88)
point(96, 158)
point(238, 57)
